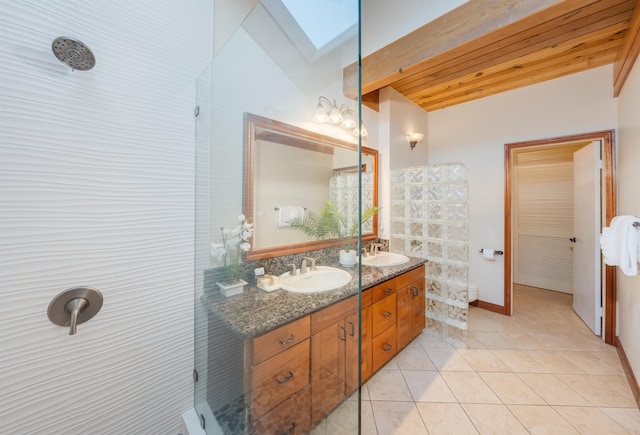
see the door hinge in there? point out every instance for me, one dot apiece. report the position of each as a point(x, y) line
point(196, 111)
point(202, 421)
point(599, 312)
point(195, 375)
point(599, 164)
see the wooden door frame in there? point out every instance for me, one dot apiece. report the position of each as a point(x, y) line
point(609, 167)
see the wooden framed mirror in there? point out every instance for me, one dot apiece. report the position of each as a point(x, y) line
point(288, 166)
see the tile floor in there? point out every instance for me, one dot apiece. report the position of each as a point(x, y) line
point(540, 371)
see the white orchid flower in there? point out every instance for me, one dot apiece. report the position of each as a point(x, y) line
point(242, 218)
point(245, 246)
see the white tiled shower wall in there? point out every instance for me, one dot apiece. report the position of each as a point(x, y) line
point(96, 177)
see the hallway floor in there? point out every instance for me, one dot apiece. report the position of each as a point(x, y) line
point(540, 371)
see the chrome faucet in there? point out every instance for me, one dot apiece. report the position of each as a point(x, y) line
point(364, 252)
point(303, 266)
point(313, 263)
point(375, 248)
point(292, 270)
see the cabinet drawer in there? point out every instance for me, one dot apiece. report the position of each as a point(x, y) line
point(279, 339)
point(384, 347)
point(290, 417)
point(383, 314)
point(383, 290)
point(279, 377)
point(409, 277)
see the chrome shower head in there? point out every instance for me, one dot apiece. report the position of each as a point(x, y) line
point(73, 53)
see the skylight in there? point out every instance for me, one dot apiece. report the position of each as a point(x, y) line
point(323, 20)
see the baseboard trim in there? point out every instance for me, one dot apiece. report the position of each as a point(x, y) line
point(633, 383)
point(488, 306)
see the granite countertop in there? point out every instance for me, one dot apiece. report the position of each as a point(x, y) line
point(255, 311)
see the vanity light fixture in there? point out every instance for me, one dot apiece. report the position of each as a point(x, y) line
point(414, 139)
point(328, 111)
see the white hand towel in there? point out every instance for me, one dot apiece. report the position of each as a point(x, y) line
point(288, 213)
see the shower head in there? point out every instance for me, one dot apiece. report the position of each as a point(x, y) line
point(73, 53)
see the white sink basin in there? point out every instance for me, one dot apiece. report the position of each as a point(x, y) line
point(385, 259)
point(323, 279)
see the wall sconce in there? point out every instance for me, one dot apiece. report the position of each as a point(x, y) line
point(328, 112)
point(414, 139)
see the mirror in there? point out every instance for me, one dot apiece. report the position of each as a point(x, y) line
point(290, 169)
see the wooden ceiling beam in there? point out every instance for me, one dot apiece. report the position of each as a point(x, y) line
point(544, 38)
point(476, 22)
point(611, 37)
point(628, 53)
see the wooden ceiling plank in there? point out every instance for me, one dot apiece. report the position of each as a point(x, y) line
point(600, 35)
point(466, 64)
point(468, 22)
point(532, 77)
point(628, 53)
point(562, 53)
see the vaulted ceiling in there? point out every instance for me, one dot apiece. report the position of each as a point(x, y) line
point(485, 47)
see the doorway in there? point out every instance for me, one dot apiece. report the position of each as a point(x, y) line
point(607, 184)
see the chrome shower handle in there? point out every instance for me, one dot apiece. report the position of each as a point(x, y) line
point(74, 307)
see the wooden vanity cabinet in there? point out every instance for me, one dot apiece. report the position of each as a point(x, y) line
point(280, 379)
point(411, 307)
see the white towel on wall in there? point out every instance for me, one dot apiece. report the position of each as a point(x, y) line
point(288, 213)
point(620, 244)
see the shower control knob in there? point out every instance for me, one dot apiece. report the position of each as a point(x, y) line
point(74, 306)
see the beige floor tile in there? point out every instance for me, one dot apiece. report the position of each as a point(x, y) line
point(389, 385)
point(398, 418)
point(591, 363)
point(518, 361)
point(446, 419)
point(553, 361)
point(511, 389)
point(493, 340)
point(468, 387)
point(473, 342)
point(541, 420)
point(555, 341)
point(428, 386)
point(414, 358)
point(482, 360)
point(597, 390)
point(525, 340)
point(344, 420)
point(629, 418)
point(493, 419)
point(590, 420)
point(432, 342)
point(620, 384)
point(552, 389)
point(368, 422)
point(448, 360)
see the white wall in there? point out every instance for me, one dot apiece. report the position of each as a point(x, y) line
point(97, 189)
point(475, 133)
point(629, 203)
point(398, 116)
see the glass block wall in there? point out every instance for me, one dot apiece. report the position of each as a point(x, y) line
point(429, 219)
point(343, 192)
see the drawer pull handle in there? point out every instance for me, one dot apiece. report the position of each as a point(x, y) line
point(388, 291)
point(285, 379)
point(414, 292)
point(353, 329)
point(343, 337)
point(387, 347)
point(288, 340)
point(290, 430)
point(386, 314)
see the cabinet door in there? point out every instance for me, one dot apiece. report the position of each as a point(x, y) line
point(327, 370)
point(367, 350)
point(418, 307)
point(406, 309)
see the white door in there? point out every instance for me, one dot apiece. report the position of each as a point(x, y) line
point(587, 292)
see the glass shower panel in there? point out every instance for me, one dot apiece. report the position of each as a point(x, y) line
point(266, 360)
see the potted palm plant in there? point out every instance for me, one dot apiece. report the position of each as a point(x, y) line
point(330, 222)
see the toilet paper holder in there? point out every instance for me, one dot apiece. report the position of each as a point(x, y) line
point(496, 252)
